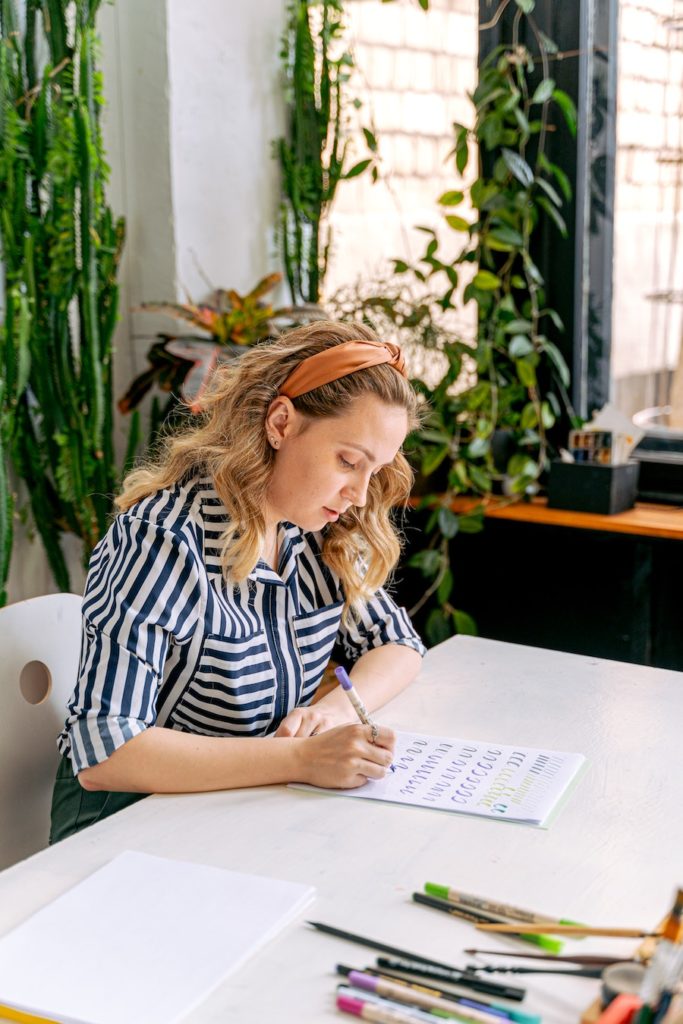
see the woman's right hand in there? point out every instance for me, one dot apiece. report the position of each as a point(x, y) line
point(345, 757)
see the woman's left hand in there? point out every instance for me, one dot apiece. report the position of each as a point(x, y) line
point(307, 722)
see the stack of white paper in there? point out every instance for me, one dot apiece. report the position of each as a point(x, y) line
point(142, 939)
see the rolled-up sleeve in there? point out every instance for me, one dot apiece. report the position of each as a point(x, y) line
point(380, 622)
point(143, 592)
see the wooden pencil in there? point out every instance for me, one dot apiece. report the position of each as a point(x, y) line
point(566, 929)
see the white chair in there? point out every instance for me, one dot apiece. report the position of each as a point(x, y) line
point(39, 652)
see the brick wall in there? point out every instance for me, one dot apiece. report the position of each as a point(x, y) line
point(414, 71)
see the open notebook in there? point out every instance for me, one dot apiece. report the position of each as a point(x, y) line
point(142, 939)
point(490, 780)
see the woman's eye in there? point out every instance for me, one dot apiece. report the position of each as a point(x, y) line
point(345, 463)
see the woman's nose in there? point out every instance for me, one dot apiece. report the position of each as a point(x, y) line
point(357, 492)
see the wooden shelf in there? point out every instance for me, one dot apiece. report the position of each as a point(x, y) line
point(645, 520)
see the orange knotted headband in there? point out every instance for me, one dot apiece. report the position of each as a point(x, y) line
point(339, 361)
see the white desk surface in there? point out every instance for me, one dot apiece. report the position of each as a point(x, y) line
point(613, 856)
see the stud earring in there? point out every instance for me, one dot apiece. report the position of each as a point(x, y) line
point(275, 443)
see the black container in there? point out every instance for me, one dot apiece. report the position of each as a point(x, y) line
point(584, 487)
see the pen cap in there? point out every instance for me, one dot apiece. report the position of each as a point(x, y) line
point(350, 1005)
point(343, 677)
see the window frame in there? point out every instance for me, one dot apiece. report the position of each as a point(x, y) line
point(578, 270)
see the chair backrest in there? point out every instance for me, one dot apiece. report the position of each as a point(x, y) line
point(39, 652)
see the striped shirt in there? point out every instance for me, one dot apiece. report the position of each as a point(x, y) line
point(166, 642)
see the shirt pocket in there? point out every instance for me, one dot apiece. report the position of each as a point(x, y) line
point(232, 692)
point(315, 634)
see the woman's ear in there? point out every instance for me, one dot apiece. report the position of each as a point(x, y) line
point(280, 419)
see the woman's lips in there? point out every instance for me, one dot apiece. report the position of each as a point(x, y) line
point(331, 514)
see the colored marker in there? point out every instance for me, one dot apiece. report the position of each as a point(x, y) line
point(371, 1011)
point(351, 692)
point(468, 913)
point(413, 997)
point(360, 708)
point(501, 1012)
point(491, 906)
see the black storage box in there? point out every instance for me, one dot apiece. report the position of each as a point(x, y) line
point(586, 487)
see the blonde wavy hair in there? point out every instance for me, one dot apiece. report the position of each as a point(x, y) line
point(230, 445)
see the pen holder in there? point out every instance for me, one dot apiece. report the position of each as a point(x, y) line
point(586, 487)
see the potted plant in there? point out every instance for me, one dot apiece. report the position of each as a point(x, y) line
point(510, 377)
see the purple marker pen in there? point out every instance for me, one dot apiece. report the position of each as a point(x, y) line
point(361, 710)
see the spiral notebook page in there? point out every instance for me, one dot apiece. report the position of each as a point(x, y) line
point(143, 939)
point(490, 780)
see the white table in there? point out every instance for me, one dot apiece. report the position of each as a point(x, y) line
point(614, 855)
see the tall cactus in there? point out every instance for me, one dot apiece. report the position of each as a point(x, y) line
point(313, 155)
point(60, 250)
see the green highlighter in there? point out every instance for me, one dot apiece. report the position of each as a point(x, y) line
point(497, 913)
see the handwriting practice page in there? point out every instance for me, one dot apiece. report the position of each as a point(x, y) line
point(520, 784)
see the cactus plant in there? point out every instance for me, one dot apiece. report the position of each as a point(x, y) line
point(61, 246)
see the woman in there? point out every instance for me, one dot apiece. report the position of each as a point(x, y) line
point(260, 538)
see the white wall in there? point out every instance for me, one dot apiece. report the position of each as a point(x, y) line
point(225, 109)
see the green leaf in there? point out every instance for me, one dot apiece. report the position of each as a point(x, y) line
point(438, 627)
point(568, 108)
point(518, 167)
point(451, 198)
point(437, 436)
point(518, 326)
point(459, 476)
point(464, 623)
point(562, 180)
point(526, 372)
point(443, 591)
point(486, 281)
point(428, 561)
point(400, 267)
point(433, 459)
point(457, 223)
point(473, 522)
point(521, 465)
point(544, 90)
point(529, 418)
point(520, 346)
point(480, 479)
point(461, 153)
point(505, 233)
point(558, 362)
point(549, 45)
point(448, 522)
point(370, 139)
point(526, 6)
point(555, 317)
point(549, 191)
point(477, 448)
point(357, 169)
point(547, 416)
point(533, 271)
point(552, 212)
point(522, 121)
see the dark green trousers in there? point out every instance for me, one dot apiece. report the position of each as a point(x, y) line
point(74, 808)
